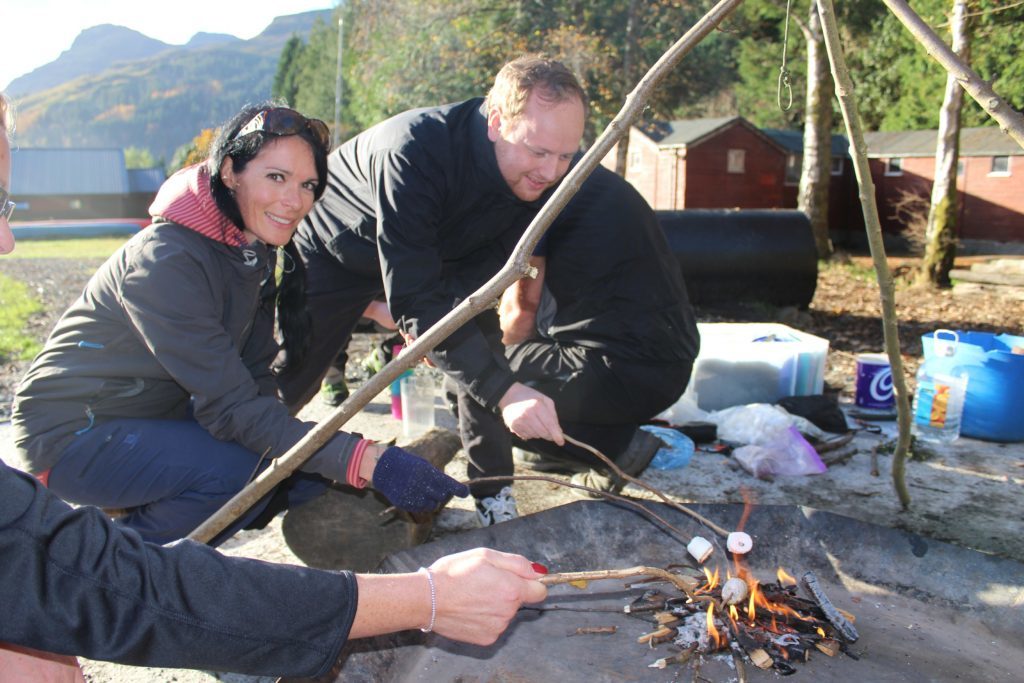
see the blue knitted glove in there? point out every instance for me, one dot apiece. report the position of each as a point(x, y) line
point(413, 484)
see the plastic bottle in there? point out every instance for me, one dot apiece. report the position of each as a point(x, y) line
point(938, 404)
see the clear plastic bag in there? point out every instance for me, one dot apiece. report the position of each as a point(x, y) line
point(783, 453)
point(757, 423)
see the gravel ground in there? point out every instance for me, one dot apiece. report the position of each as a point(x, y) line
point(968, 493)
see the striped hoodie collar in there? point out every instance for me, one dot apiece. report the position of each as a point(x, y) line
point(185, 199)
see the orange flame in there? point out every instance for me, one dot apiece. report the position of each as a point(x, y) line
point(784, 578)
point(712, 582)
point(755, 599)
point(821, 632)
point(712, 631)
point(734, 614)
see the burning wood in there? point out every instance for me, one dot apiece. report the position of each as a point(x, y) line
point(770, 623)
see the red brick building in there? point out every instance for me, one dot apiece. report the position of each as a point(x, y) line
point(990, 179)
point(706, 164)
point(729, 163)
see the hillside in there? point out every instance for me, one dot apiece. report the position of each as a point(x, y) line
point(159, 99)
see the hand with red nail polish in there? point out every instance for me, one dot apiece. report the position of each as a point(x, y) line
point(478, 592)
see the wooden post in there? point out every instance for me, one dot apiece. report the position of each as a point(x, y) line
point(886, 290)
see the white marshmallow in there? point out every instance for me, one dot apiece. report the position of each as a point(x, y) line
point(739, 542)
point(700, 548)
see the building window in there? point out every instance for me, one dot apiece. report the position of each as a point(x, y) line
point(837, 166)
point(793, 164)
point(1000, 166)
point(75, 204)
point(960, 168)
point(894, 167)
point(634, 158)
point(736, 161)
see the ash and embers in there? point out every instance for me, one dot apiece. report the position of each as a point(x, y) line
point(772, 626)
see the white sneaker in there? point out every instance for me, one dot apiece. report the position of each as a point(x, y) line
point(500, 508)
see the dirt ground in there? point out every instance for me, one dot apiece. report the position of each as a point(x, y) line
point(968, 493)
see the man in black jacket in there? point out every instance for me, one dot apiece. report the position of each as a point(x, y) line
point(613, 342)
point(426, 207)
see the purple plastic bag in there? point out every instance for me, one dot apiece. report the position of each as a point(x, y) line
point(786, 453)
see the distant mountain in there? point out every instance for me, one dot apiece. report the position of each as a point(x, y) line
point(94, 50)
point(206, 39)
point(158, 99)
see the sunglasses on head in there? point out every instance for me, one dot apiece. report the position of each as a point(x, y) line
point(284, 121)
point(6, 205)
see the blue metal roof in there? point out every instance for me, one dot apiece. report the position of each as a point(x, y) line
point(146, 179)
point(46, 171)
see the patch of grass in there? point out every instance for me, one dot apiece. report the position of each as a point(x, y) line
point(80, 248)
point(16, 305)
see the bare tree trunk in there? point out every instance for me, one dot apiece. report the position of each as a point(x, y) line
point(940, 235)
point(815, 171)
point(628, 79)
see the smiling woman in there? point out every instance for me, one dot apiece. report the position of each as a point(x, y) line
point(155, 391)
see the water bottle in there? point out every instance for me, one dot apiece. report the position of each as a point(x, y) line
point(938, 404)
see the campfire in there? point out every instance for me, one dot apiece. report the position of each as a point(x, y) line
point(769, 623)
point(735, 615)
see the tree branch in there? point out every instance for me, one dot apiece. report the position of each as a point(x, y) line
point(1011, 122)
point(858, 151)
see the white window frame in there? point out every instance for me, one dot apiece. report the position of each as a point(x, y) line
point(894, 166)
point(793, 161)
point(634, 158)
point(736, 161)
point(1000, 174)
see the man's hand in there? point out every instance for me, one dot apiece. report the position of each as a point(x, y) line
point(409, 339)
point(530, 414)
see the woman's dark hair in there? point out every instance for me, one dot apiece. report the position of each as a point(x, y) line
point(292, 317)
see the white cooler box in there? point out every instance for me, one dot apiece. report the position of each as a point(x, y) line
point(742, 363)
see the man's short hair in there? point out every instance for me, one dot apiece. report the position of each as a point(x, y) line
point(552, 80)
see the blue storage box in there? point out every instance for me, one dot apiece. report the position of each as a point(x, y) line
point(994, 405)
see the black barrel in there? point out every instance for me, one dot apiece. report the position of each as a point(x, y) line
point(730, 256)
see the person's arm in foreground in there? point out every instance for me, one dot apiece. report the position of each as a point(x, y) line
point(73, 582)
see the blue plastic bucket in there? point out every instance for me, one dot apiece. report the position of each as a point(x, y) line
point(994, 405)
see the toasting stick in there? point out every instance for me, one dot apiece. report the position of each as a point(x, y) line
point(685, 584)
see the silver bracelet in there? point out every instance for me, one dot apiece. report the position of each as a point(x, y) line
point(433, 600)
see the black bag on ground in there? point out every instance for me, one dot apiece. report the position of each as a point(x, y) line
point(819, 409)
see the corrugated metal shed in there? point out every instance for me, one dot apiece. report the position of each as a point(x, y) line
point(793, 141)
point(48, 172)
point(146, 179)
point(974, 142)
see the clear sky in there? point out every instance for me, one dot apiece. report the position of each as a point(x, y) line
point(35, 32)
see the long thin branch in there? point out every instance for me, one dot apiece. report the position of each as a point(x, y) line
point(858, 151)
point(1010, 121)
point(644, 485)
point(516, 267)
point(684, 584)
point(680, 536)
